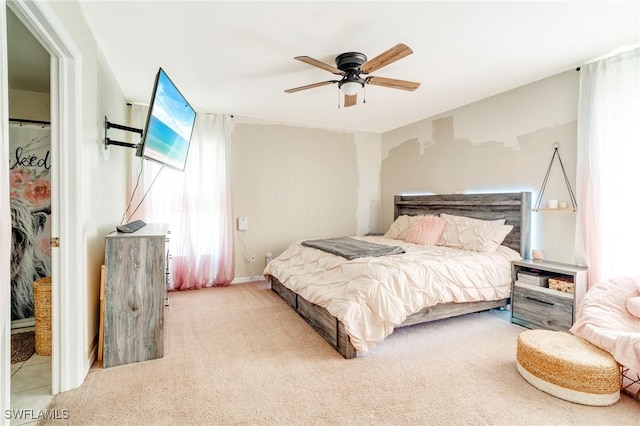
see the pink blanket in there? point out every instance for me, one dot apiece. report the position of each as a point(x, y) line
point(603, 320)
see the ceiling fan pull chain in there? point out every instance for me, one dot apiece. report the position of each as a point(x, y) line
point(364, 94)
point(338, 98)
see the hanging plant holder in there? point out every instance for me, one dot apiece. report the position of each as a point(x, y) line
point(572, 197)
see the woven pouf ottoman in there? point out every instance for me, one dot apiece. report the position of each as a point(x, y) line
point(568, 367)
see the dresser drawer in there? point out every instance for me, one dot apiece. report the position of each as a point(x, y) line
point(538, 307)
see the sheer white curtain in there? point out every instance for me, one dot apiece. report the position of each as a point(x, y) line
point(608, 169)
point(195, 203)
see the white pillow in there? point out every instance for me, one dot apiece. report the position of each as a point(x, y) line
point(467, 233)
point(472, 221)
point(400, 227)
point(633, 306)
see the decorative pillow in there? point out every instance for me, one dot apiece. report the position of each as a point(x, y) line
point(473, 234)
point(426, 230)
point(633, 306)
point(400, 227)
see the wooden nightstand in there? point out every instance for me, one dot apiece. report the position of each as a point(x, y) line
point(535, 306)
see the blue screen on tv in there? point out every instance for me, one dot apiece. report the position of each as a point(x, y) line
point(170, 122)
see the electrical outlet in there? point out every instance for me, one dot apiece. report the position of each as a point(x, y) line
point(252, 257)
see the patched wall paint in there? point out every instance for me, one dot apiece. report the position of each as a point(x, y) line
point(500, 144)
point(297, 183)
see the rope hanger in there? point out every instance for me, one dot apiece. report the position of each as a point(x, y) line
point(556, 153)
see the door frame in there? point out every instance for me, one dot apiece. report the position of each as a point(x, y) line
point(68, 262)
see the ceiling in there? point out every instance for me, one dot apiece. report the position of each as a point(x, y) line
point(237, 57)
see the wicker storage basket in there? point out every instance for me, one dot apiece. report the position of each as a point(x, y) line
point(561, 284)
point(42, 306)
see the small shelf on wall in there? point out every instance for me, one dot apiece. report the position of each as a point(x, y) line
point(546, 209)
point(574, 206)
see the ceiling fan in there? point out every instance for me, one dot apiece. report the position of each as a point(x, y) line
point(352, 65)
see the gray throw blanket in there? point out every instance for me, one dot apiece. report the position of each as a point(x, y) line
point(351, 248)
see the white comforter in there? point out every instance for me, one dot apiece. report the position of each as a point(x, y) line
point(372, 295)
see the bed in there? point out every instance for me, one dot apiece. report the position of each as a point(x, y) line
point(354, 313)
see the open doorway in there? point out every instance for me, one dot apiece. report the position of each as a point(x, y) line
point(68, 305)
point(30, 194)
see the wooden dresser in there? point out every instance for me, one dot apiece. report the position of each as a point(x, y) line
point(134, 293)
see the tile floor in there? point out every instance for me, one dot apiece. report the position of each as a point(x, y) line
point(30, 389)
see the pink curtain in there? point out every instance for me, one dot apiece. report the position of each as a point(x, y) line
point(197, 206)
point(607, 166)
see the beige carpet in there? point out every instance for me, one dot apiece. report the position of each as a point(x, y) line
point(239, 355)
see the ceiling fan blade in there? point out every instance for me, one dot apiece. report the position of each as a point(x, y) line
point(398, 51)
point(350, 100)
point(310, 86)
point(319, 64)
point(393, 83)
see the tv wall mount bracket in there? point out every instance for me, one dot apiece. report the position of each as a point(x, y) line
point(109, 125)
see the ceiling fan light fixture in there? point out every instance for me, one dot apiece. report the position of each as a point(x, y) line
point(351, 87)
point(355, 70)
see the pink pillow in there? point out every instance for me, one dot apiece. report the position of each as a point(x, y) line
point(633, 306)
point(426, 230)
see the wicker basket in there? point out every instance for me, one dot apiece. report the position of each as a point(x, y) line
point(561, 284)
point(42, 306)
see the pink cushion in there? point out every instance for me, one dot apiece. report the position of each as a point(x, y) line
point(426, 230)
point(633, 306)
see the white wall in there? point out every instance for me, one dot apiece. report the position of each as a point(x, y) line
point(503, 143)
point(295, 182)
point(29, 105)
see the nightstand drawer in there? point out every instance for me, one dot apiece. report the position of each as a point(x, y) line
point(534, 307)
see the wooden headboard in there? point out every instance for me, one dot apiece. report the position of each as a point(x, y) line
point(515, 208)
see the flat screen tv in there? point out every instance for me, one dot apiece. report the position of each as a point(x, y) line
point(167, 133)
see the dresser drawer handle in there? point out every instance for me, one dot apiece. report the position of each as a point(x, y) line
point(539, 301)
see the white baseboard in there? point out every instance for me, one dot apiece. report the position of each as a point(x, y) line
point(23, 323)
point(93, 356)
point(242, 280)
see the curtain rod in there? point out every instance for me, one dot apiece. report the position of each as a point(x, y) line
point(137, 103)
point(24, 120)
